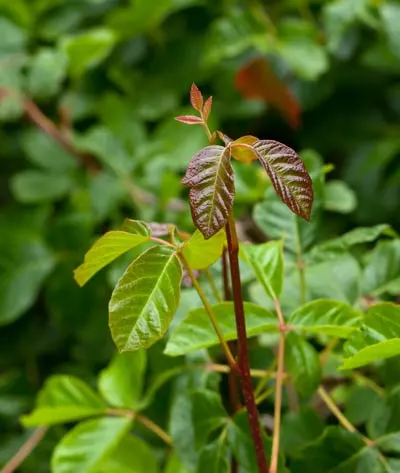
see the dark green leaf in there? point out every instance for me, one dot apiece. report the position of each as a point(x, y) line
point(87, 447)
point(361, 403)
point(288, 175)
point(106, 249)
point(266, 261)
point(302, 364)
point(196, 332)
point(121, 383)
point(299, 429)
point(391, 17)
point(210, 178)
point(201, 253)
point(384, 419)
point(214, 458)
point(326, 316)
point(32, 186)
point(64, 399)
point(145, 299)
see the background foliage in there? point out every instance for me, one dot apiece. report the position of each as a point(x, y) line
point(109, 75)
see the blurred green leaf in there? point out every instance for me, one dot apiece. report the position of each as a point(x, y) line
point(140, 313)
point(214, 458)
point(106, 249)
point(64, 399)
point(200, 253)
point(384, 420)
point(88, 49)
point(88, 446)
point(302, 364)
point(13, 38)
point(132, 455)
point(36, 186)
point(361, 403)
point(390, 12)
point(47, 70)
point(339, 197)
point(196, 332)
point(121, 383)
point(299, 429)
point(382, 272)
point(326, 316)
point(266, 261)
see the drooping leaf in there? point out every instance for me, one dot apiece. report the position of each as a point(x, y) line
point(326, 316)
point(121, 383)
point(87, 447)
point(145, 299)
point(106, 249)
point(64, 399)
point(214, 457)
point(302, 364)
point(266, 260)
point(132, 455)
point(210, 178)
point(196, 332)
point(288, 175)
point(378, 339)
point(382, 272)
point(201, 253)
point(196, 98)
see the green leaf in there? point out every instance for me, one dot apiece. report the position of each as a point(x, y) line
point(13, 37)
point(45, 152)
point(64, 399)
point(266, 260)
point(390, 12)
point(145, 299)
point(201, 253)
point(31, 186)
point(288, 175)
point(46, 73)
point(174, 465)
point(193, 417)
point(339, 197)
point(121, 383)
point(214, 458)
point(88, 49)
point(132, 455)
point(135, 226)
point(382, 272)
point(360, 404)
point(106, 249)
point(384, 420)
point(299, 429)
point(210, 178)
point(87, 447)
point(196, 332)
point(326, 316)
point(378, 339)
point(302, 364)
point(25, 262)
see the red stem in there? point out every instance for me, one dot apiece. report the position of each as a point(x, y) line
point(243, 358)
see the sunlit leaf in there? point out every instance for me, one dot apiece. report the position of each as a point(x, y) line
point(201, 253)
point(64, 399)
point(288, 175)
point(145, 299)
point(210, 178)
point(196, 332)
point(87, 447)
point(106, 249)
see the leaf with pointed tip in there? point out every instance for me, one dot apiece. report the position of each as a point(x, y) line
point(243, 152)
point(207, 108)
point(189, 119)
point(196, 98)
point(210, 177)
point(106, 249)
point(288, 175)
point(145, 299)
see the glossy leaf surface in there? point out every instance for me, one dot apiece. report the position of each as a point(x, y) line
point(145, 299)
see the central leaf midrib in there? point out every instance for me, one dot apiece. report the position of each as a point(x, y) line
point(215, 187)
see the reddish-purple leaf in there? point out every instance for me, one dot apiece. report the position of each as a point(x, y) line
point(196, 99)
point(210, 177)
point(288, 175)
point(189, 120)
point(207, 108)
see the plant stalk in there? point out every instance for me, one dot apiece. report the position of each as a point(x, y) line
point(243, 358)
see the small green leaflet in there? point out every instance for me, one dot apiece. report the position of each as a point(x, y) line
point(201, 253)
point(145, 299)
point(106, 249)
point(196, 332)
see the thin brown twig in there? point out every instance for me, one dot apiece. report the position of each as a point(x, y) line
point(25, 450)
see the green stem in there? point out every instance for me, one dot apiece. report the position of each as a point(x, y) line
point(228, 354)
point(243, 358)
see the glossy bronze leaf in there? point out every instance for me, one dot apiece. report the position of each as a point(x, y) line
point(210, 177)
point(288, 175)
